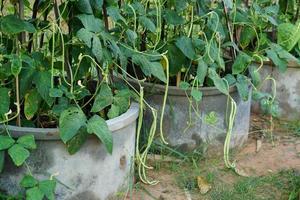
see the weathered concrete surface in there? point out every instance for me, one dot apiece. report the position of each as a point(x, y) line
point(90, 174)
point(287, 90)
point(187, 129)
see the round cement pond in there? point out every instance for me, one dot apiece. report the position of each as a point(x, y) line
point(91, 173)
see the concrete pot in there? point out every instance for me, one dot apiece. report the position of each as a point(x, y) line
point(287, 89)
point(91, 173)
point(176, 118)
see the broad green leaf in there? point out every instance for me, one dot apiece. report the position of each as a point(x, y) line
point(122, 100)
point(218, 81)
point(55, 92)
point(27, 141)
point(113, 112)
point(147, 23)
point(16, 65)
point(184, 85)
point(173, 18)
point(11, 24)
point(280, 63)
point(201, 71)
point(185, 44)
point(114, 13)
point(18, 154)
point(158, 71)
point(103, 99)
point(211, 118)
point(176, 59)
point(34, 194)
point(196, 94)
point(92, 41)
point(247, 36)
point(230, 79)
point(47, 187)
point(97, 4)
point(28, 181)
point(96, 125)
point(288, 35)
point(91, 23)
point(6, 142)
point(181, 5)
point(242, 85)
point(143, 63)
point(70, 121)
point(2, 159)
point(42, 81)
point(84, 6)
point(228, 3)
point(77, 141)
point(241, 63)
point(132, 36)
point(255, 75)
point(5, 100)
point(31, 104)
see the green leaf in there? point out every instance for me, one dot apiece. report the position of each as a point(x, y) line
point(242, 85)
point(16, 65)
point(84, 6)
point(31, 104)
point(211, 118)
point(184, 85)
point(92, 41)
point(103, 99)
point(122, 100)
point(173, 18)
point(42, 81)
point(28, 181)
point(11, 24)
point(241, 63)
point(247, 36)
point(27, 141)
point(143, 63)
point(55, 92)
point(2, 159)
point(288, 35)
point(158, 71)
point(91, 23)
point(98, 126)
point(132, 36)
point(176, 59)
point(34, 194)
point(185, 44)
point(201, 71)
point(280, 63)
point(196, 94)
point(228, 4)
point(219, 83)
point(70, 121)
point(77, 141)
point(47, 187)
point(5, 100)
point(113, 112)
point(114, 13)
point(18, 154)
point(147, 23)
point(6, 142)
point(255, 75)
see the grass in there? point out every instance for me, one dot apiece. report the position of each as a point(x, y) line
point(226, 184)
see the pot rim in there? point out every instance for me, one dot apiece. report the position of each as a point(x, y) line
point(290, 64)
point(53, 133)
point(155, 88)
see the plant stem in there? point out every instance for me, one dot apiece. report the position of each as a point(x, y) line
point(105, 16)
point(178, 78)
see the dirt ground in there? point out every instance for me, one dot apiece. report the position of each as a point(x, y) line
point(267, 161)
